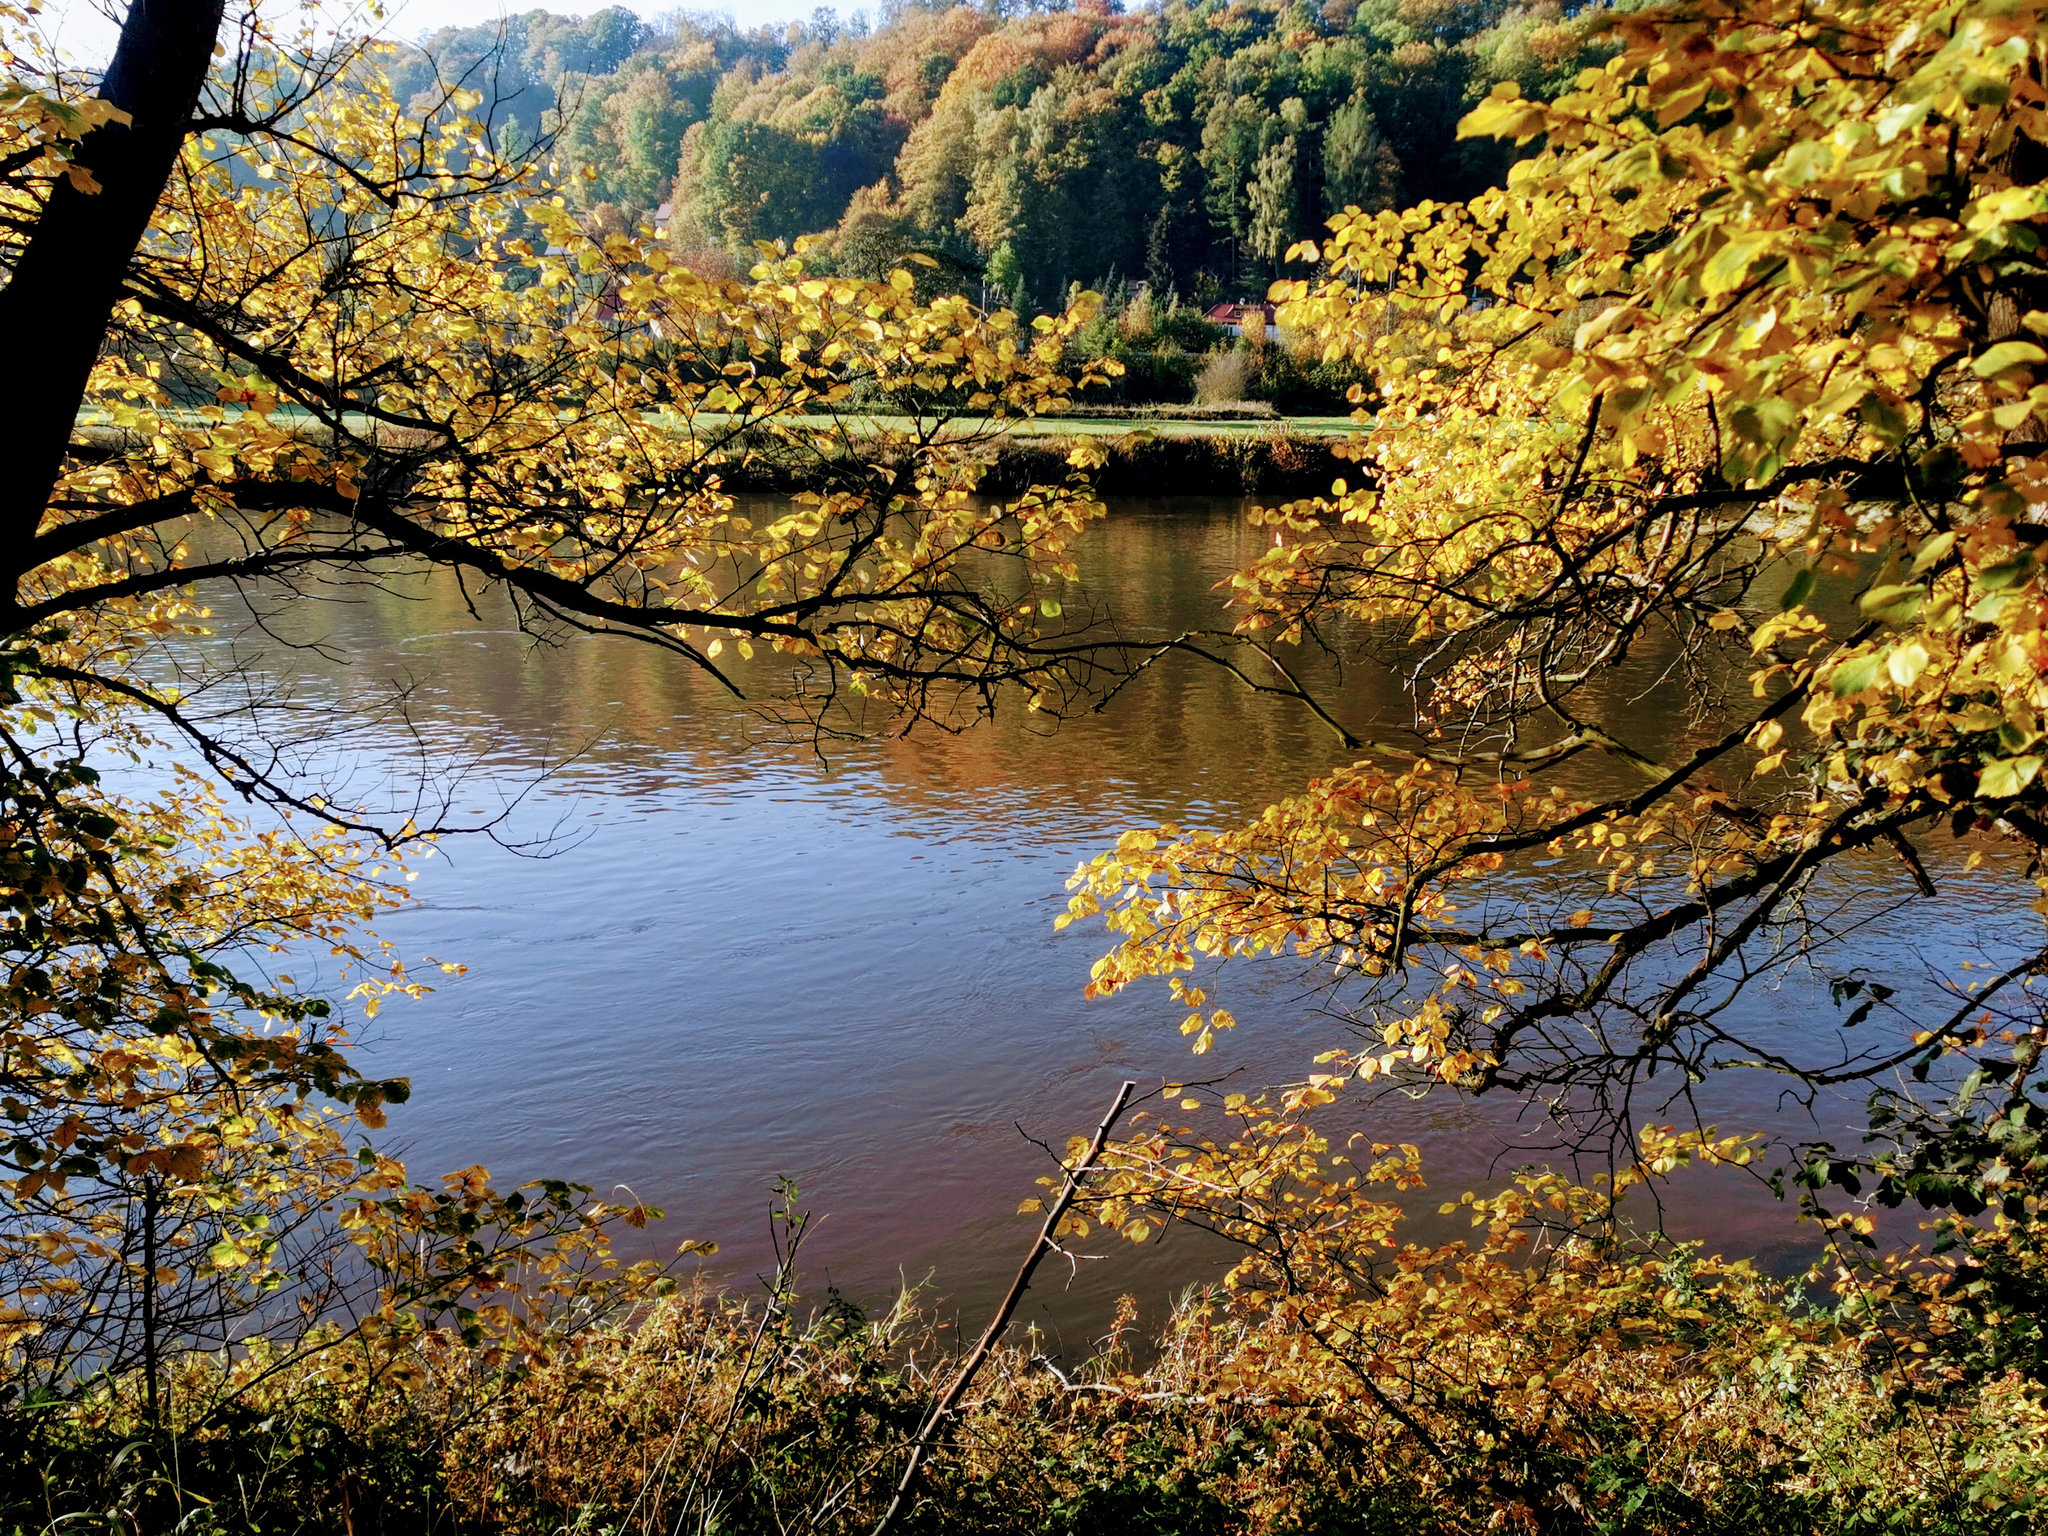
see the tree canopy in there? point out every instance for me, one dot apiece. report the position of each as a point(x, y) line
point(1088, 140)
point(1732, 391)
point(275, 328)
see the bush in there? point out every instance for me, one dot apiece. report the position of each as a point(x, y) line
point(1160, 344)
point(1622, 1386)
point(1223, 379)
point(1162, 377)
point(1298, 381)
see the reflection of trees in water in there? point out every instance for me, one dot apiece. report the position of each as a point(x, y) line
point(477, 689)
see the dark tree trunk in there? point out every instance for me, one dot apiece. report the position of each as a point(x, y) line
point(55, 307)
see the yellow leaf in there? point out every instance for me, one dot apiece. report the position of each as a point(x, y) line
point(2007, 776)
point(2007, 354)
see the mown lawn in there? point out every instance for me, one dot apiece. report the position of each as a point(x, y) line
point(1040, 426)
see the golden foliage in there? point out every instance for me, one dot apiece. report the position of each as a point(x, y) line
point(1747, 338)
point(350, 336)
point(1736, 382)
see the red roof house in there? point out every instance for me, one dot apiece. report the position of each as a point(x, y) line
point(1238, 318)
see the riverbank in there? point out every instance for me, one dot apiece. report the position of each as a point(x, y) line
point(1217, 451)
point(1276, 458)
point(1673, 1397)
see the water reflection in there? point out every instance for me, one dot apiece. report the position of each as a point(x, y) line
point(736, 960)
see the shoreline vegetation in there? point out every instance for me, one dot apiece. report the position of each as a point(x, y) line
point(1141, 456)
point(1635, 1386)
point(1146, 452)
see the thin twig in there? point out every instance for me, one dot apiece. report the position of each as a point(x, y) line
point(950, 1398)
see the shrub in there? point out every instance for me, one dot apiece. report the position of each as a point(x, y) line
point(1223, 378)
point(1608, 1385)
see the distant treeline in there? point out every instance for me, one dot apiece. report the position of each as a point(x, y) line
point(1183, 145)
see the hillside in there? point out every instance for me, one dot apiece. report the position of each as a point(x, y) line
point(1185, 146)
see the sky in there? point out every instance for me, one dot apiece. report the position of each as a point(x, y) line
point(84, 30)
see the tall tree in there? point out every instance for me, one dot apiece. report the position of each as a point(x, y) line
point(65, 278)
point(1360, 169)
point(1270, 198)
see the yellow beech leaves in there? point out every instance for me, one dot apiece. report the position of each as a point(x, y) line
point(367, 337)
point(1698, 505)
point(1769, 283)
point(354, 336)
point(181, 1127)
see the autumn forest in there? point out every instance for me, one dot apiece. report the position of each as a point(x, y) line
point(1337, 714)
point(1182, 147)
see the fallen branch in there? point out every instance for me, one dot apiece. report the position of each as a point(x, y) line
point(949, 1399)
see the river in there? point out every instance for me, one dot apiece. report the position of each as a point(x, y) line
point(716, 959)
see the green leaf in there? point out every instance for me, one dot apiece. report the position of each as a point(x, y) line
point(1855, 675)
point(1893, 604)
point(1996, 578)
point(1883, 420)
point(1989, 608)
point(1797, 591)
point(1769, 421)
point(226, 1254)
point(1986, 90)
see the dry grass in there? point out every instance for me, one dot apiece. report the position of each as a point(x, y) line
point(715, 1413)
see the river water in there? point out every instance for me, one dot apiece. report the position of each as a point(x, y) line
point(718, 959)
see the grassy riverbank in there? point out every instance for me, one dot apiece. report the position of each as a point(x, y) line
point(1634, 1393)
point(1274, 458)
point(1120, 423)
point(1148, 453)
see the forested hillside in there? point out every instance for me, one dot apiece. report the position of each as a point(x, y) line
point(1185, 145)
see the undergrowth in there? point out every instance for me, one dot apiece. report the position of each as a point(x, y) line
point(713, 1412)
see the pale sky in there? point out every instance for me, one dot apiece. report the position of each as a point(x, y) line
point(84, 30)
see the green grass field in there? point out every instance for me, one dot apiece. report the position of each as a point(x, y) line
point(1039, 426)
point(1082, 426)
point(1096, 426)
